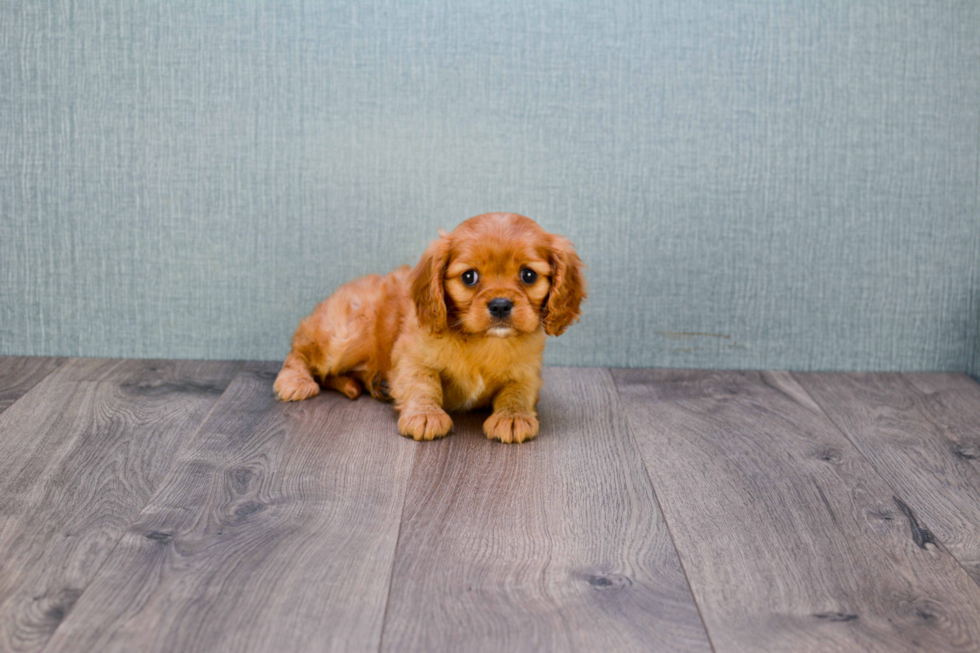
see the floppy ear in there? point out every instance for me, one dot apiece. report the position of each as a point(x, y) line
point(427, 290)
point(567, 287)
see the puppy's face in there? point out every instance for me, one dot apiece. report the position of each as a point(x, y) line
point(498, 275)
point(497, 287)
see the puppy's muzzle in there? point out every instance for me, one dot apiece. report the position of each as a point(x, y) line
point(500, 308)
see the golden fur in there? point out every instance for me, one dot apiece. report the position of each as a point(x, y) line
point(425, 339)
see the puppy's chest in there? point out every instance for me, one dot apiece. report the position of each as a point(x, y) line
point(473, 378)
point(473, 373)
point(465, 389)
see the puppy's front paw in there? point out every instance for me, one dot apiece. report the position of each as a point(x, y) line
point(511, 427)
point(424, 423)
point(292, 386)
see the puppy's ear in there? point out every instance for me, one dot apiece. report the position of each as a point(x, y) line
point(567, 287)
point(427, 289)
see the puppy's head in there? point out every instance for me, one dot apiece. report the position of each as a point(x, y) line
point(499, 275)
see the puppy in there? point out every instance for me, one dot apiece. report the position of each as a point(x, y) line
point(464, 329)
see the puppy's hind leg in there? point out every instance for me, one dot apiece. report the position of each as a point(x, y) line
point(346, 385)
point(295, 381)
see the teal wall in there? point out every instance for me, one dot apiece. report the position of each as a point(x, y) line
point(753, 184)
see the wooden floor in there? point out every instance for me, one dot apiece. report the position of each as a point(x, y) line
point(176, 506)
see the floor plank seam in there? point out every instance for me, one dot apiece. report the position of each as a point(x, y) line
point(189, 442)
point(398, 540)
point(58, 365)
point(656, 496)
point(896, 494)
point(163, 476)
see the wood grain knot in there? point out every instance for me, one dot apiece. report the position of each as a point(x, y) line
point(54, 608)
point(921, 535)
point(829, 455)
point(967, 450)
point(924, 611)
point(265, 375)
point(836, 616)
point(241, 478)
point(881, 513)
point(159, 537)
point(247, 509)
point(607, 581)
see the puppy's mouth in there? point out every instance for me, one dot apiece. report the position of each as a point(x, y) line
point(501, 331)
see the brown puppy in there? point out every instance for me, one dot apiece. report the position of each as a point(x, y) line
point(464, 329)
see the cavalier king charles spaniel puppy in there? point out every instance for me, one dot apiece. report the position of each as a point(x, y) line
point(464, 329)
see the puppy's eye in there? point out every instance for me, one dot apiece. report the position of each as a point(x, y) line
point(470, 277)
point(529, 276)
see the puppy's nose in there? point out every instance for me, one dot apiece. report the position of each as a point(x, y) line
point(500, 307)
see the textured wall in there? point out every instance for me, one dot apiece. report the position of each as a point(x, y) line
point(795, 181)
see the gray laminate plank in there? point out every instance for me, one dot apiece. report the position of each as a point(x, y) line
point(80, 455)
point(922, 433)
point(274, 531)
point(556, 544)
point(18, 374)
point(789, 537)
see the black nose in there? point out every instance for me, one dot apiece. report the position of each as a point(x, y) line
point(500, 307)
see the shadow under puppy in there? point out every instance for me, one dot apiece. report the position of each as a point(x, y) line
point(465, 328)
